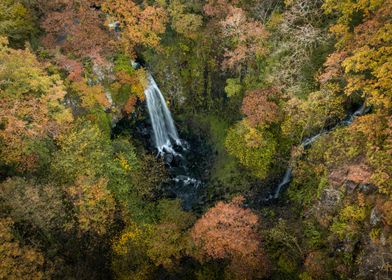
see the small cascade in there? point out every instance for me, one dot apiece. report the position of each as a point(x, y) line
point(173, 150)
point(286, 180)
point(307, 142)
point(165, 133)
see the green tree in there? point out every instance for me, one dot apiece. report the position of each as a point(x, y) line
point(252, 147)
point(16, 22)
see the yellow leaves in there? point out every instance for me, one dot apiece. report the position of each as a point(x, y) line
point(253, 138)
point(252, 147)
point(125, 164)
point(17, 261)
point(137, 80)
point(135, 239)
point(139, 26)
point(184, 23)
point(91, 96)
point(31, 106)
point(353, 213)
point(94, 204)
point(3, 42)
point(367, 69)
point(377, 62)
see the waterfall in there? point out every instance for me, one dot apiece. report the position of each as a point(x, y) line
point(307, 142)
point(184, 185)
point(165, 133)
point(286, 180)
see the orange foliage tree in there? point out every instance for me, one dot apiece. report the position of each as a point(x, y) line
point(18, 261)
point(31, 107)
point(139, 26)
point(244, 38)
point(228, 231)
point(258, 108)
point(74, 26)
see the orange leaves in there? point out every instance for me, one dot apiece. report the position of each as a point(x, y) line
point(75, 27)
point(129, 106)
point(228, 231)
point(247, 38)
point(74, 68)
point(31, 106)
point(94, 204)
point(367, 66)
point(91, 95)
point(17, 261)
point(333, 69)
point(258, 109)
point(139, 26)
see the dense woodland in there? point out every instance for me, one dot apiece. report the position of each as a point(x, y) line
point(83, 194)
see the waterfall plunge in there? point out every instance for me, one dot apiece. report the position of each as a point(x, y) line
point(165, 133)
point(165, 137)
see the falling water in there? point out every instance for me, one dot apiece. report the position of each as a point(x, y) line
point(307, 142)
point(165, 133)
point(286, 179)
point(166, 138)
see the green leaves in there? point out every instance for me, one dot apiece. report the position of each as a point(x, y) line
point(16, 22)
point(233, 87)
point(252, 147)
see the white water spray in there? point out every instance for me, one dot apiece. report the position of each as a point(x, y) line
point(165, 133)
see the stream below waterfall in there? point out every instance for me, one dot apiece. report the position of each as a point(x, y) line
point(306, 143)
point(184, 159)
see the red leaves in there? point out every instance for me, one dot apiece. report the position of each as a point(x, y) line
point(230, 231)
point(75, 27)
point(244, 37)
point(333, 68)
point(257, 107)
point(73, 67)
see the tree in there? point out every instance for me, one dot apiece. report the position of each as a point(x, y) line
point(84, 151)
point(75, 26)
point(94, 205)
point(183, 22)
point(258, 108)
point(253, 148)
point(366, 40)
point(40, 206)
point(246, 39)
point(228, 231)
point(309, 117)
point(140, 27)
point(16, 22)
point(31, 109)
point(18, 261)
point(142, 248)
point(243, 38)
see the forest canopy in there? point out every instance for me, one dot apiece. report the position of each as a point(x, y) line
point(203, 139)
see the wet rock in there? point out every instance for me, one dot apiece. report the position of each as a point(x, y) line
point(168, 158)
point(367, 188)
point(375, 216)
point(350, 186)
point(330, 198)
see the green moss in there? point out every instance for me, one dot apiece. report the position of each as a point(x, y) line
point(123, 63)
point(121, 95)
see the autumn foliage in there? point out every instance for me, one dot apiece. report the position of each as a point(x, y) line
point(258, 109)
point(228, 231)
point(75, 26)
point(140, 26)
